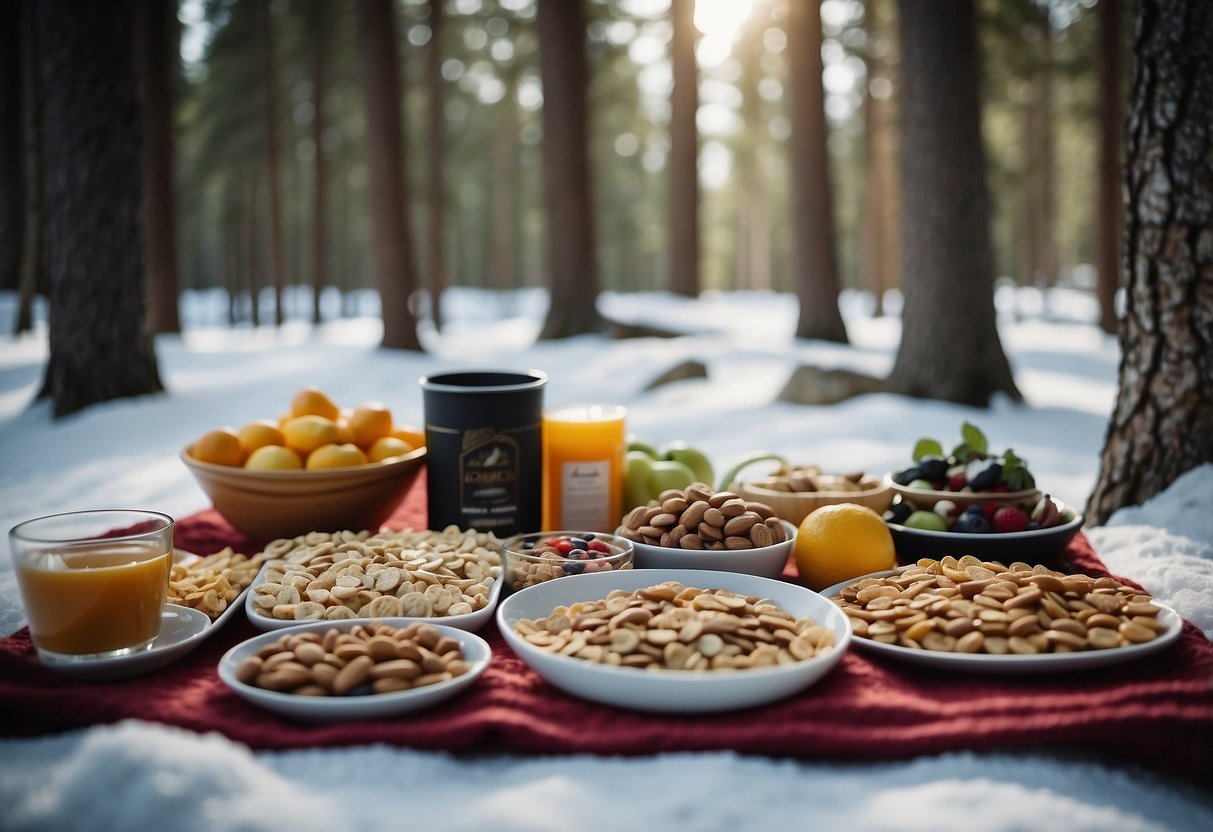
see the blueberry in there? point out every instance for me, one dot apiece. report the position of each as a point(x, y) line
point(975, 523)
point(983, 474)
point(898, 513)
point(530, 544)
point(579, 542)
point(573, 567)
point(933, 468)
point(907, 476)
point(974, 508)
point(588, 536)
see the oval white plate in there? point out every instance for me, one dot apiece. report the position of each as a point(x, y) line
point(674, 691)
point(476, 653)
point(1012, 665)
point(471, 622)
point(181, 630)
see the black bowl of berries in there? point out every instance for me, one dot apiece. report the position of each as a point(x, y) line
point(530, 559)
point(1001, 530)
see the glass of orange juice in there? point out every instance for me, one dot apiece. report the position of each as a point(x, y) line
point(583, 456)
point(93, 582)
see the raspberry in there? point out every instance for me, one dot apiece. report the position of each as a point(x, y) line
point(957, 482)
point(1009, 519)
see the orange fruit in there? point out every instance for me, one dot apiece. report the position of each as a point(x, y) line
point(273, 458)
point(220, 447)
point(335, 456)
point(386, 447)
point(260, 433)
point(413, 436)
point(307, 433)
point(310, 401)
point(840, 542)
point(369, 422)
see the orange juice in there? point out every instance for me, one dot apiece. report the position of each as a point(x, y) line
point(583, 454)
point(95, 598)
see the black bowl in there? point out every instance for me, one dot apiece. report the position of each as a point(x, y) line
point(1037, 546)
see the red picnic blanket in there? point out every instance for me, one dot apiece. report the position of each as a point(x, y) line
point(1158, 710)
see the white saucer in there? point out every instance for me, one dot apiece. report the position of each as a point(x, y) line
point(181, 630)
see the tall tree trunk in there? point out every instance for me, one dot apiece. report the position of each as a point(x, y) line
point(391, 231)
point(1030, 219)
point(274, 197)
point(435, 241)
point(12, 180)
point(1108, 210)
point(253, 250)
point(1162, 425)
point(754, 241)
point(33, 243)
point(232, 250)
point(157, 27)
point(571, 256)
point(683, 160)
point(100, 348)
point(817, 282)
point(320, 248)
point(504, 160)
point(877, 233)
point(950, 347)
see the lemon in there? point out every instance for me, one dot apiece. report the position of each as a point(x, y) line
point(312, 402)
point(307, 433)
point(219, 447)
point(335, 456)
point(260, 433)
point(273, 458)
point(369, 422)
point(840, 542)
point(386, 447)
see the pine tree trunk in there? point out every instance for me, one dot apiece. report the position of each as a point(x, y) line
point(683, 159)
point(252, 242)
point(100, 348)
point(320, 248)
point(950, 347)
point(1162, 424)
point(156, 20)
point(435, 241)
point(12, 180)
point(571, 255)
point(33, 241)
point(391, 231)
point(878, 250)
point(1108, 210)
point(274, 197)
point(504, 160)
point(816, 263)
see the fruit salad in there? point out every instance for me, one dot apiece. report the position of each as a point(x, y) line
point(969, 468)
point(980, 517)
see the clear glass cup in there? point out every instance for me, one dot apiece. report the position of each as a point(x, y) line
point(93, 582)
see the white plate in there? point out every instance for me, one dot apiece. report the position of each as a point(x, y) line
point(673, 691)
point(181, 630)
point(475, 650)
point(471, 622)
point(1015, 665)
point(183, 557)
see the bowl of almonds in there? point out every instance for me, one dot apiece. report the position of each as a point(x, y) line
point(698, 528)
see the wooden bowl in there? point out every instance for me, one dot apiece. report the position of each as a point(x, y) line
point(794, 506)
point(925, 499)
point(266, 505)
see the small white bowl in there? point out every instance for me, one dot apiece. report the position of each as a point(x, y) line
point(672, 691)
point(767, 562)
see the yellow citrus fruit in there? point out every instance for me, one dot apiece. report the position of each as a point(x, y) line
point(344, 434)
point(273, 458)
point(840, 542)
point(369, 422)
point(260, 433)
point(335, 456)
point(220, 447)
point(307, 433)
point(312, 402)
point(412, 436)
point(386, 447)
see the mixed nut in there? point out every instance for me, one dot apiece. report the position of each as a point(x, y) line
point(699, 518)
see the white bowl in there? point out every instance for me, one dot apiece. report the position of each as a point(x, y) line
point(767, 562)
point(475, 651)
point(671, 691)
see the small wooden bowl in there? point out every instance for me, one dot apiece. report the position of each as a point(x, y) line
point(925, 499)
point(794, 506)
point(266, 505)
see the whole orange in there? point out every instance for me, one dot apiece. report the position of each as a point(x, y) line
point(839, 542)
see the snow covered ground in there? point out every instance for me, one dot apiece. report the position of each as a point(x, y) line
point(125, 452)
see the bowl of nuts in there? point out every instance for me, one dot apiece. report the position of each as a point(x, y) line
point(529, 559)
point(794, 492)
point(666, 640)
point(698, 528)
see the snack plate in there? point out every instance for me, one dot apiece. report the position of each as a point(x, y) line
point(471, 622)
point(475, 650)
point(181, 556)
point(1014, 665)
point(673, 691)
point(181, 630)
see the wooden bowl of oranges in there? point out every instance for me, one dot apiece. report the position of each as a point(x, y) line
point(315, 468)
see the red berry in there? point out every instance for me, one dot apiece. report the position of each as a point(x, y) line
point(957, 482)
point(599, 546)
point(561, 544)
point(989, 507)
point(1009, 519)
point(1000, 488)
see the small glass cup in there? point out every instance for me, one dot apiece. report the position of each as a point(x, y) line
point(93, 582)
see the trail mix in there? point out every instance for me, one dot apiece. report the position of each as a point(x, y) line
point(409, 573)
point(669, 626)
point(209, 584)
point(971, 606)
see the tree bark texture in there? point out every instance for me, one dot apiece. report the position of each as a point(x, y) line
point(157, 59)
point(34, 269)
point(320, 247)
point(100, 348)
point(1108, 219)
point(274, 196)
point(571, 250)
point(1162, 424)
point(435, 241)
point(252, 250)
point(950, 347)
point(814, 257)
point(878, 231)
point(395, 272)
point(12, 180)
point(683, 161)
